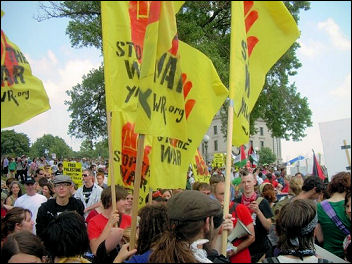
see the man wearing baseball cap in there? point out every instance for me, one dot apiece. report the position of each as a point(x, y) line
point(63, 202)
point(31, 200)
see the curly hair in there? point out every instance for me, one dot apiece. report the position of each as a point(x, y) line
point(66, 235)
point(340, 182)
point(153, 222)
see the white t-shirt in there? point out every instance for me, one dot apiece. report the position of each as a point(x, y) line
point(31, 203)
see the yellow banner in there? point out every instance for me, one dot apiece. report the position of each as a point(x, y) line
point(200, 169)
point(74, 170)
point(22, 94)
point(202, 93)
point(218, 160)
point(262, 31)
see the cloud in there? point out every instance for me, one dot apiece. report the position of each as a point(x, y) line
point(339, 40)
point(344, 90)
point(310, 48)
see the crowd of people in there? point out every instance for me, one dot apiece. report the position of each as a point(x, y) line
point(46, 218)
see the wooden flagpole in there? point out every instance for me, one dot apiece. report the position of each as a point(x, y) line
point(111, 165)
point(228, 172)
point(150, 198)
point(347, 153)
point(136, 186)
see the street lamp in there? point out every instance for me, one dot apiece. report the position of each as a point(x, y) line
point(205, 140)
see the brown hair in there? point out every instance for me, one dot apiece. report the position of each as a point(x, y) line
point(174, 244)
point(22, 242)
point(341, 182)
point(153, 222)
point(14, 216)
point(120, 192)
point(292, 218)
point(269, 193)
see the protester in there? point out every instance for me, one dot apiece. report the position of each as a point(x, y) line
point(312, 188)
point(295, 229)
point(60, 169)
point(89, 193)
point(17, 219)
point(100, 180)
point(202, 187)
point(63, 202)
point(261, 214)
point(4, 207)
point(166, 193)
point(48, 190)
point(194, 219)
point(23, 247)
point(129, 198)
point(15, 192)
point(241, 252)
point(31, 200)
point(331, 230)
point(101, 226)
point(267, 191)
point(66, 238)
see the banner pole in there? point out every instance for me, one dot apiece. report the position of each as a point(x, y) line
point(228, 172)
point(111, 165)
point(150, 197)
point(347, 153)
point(136, 186)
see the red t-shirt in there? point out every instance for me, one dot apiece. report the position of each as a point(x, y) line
point(274, 182)
point(97, 224)
point(244, 215)
point(286, 188)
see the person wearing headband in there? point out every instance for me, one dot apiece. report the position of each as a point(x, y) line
point(295, 228)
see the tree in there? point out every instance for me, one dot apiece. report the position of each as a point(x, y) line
point(53, 144)
point(14, 144)
point(204, 25)
point(266, 156)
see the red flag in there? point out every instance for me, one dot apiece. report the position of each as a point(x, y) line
point(317, 171)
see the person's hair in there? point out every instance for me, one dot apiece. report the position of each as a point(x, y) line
point(14, 216)
point(311, 182)
point(162, 191)
point(66, 235)
point(214, 180)
point(296, 184)
point(153, 222)
point(22, 242)
point(100, 173)
point(100, 170)
point(50, 187)
point(174, 244)
point(292, 218)
point(204, 185)
point(42, 181)
point(9, 181)
point(19, 186)
point(340, 182)
point(90, 172)
point(269, 193)
point(38, 170)
point(196, 186)
point(120, 192)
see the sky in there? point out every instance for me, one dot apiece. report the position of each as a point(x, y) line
point(324, 78)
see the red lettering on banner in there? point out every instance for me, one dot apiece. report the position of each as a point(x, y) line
point(250, 19)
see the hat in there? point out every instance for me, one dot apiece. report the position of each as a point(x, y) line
point(261, 187)
point(29, 180)
point(62, 178)
point(191, 205)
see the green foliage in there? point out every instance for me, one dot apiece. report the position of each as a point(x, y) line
point(53, 144)
point(99, 149)
point(14, 144)
point(266, 156)
point(204, 25)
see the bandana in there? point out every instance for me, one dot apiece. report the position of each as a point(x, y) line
point(247, 200)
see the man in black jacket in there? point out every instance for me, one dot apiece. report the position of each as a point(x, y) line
point(63, 202)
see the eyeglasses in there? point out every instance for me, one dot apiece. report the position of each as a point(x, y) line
point(64, 184)
point(84, 175)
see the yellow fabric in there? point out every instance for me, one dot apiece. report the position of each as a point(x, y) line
point(200, 169)
point(202, 95)
point(22, 94)
point(218, 160)
point(271, 30)
point(161, 80)
point(76, 259)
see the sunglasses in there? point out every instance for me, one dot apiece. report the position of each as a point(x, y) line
point(84, 175)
